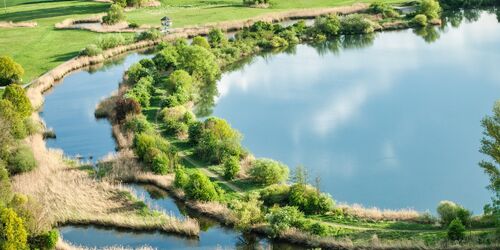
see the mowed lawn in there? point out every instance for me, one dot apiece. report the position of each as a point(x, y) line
point(42, 48)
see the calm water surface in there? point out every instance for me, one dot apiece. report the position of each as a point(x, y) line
point(391, 122)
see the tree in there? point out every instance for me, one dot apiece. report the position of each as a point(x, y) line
point(267, 171)
point(10, 71)
point(490, 146)
point(429, 8)
point(179, 80)
point(114, 15)
point(181, 178)
point(200, 188)
point(231, 167)
point(456, 230)
point(247, 211)
point(420, 20)
point(218, 141)
point(309, 200)
point(160, 164)
point(13, 235)
point(200, 63)
point(201, 41)
point(328, 25)
point(12, 123)
point(166, 58)
point(22, 160)
point(17, 96)
point(282, 218)
point(448, 211)
point(216, 37)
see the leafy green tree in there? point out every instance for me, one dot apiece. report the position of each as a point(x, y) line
point(216, 38)
point(201, 41)
point(456, 230)
point(13, 235)
point(309, 200)
point(160, 164)
point(179, 80)
point(356, 24)
point(181, 178)
point(45, 241)
point(282, 218)
point(247, 211)
point(420, 20)
point(10, 71)
point(166, 58)
point(382, 8)
point(231, 167)
point(448, 211)
point(328, 25)
point(13, 124)
point(114, 15)
point(429, 8)
point(200, 188)
point(218, 140)
point(17, 96)
point(267, 171)
point(200, 63)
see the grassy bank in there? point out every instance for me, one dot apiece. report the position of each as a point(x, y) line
point(41, 48)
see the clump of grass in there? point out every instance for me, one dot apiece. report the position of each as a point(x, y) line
point(374, 213)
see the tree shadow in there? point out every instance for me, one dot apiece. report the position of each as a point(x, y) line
point(28, 15)
point(64, 57)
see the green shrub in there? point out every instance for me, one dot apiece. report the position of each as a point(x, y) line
point(5, 187)
point(179, 80)
point(176, 119)
point(110, 41)
point(135, 3)
point(199, 187)
point(166, 58)
point(278, 42)
point(282, 218)
point(160, 164)
point(45, 241)
point(139, 124)
point(195, 132)
point(309, 200)
point(21, 160)
point(91, 50)
point(218, 140)
point(327, 25)
point(216, 37)
point(133, 25)
point(148, 64)
point(448, 211)
point(181, 178)
point(201, 41)
point(231, 167)
point(382, 8)
point(17, 96)
point(200, 63)
point(319, 229)
point(290, 36)
point(12, 231)
point(247, 211)
point(146, 146)
point(136, 72)
point(456, 230)
point(151, 34)
point(356, 24)
point(10, 71)
point(13, 121)
point(276, 194)
point(420, 20)
point(114, 15)
point(122, 3)
point(429, 8)
point(140, 92)
point(267, 171)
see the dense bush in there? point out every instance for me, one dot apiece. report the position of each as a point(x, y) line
point(429, 8)
point(356, 24)
point(200, 63)
point(13, 235)
point(126, 106)
point(309, 200)
point(267, 171)
point(13, 124)
point(145, 146)
point(420, 20)
point(166, 58)
point(141, 91)
point(10, 71)
point(327, 25)
point(195, 132)
point(114, 15)
point(176, 119)
point(5, 187)
point(45, 241)
point(151, 34)
point(179, 80)
point(160, 164)
point(136, 72)
point(216, 38)
point(17, 96)
point(201, 41)
point(21, 160)
point(110, 41)
point(283, 218)
point(181, 178)
point(231, 167)
point(448, 211)
point(139, 124)
point(456, 230)
point(248, 211)
point(278, 42)
point(319, 229)
point(218, 141)
point(199, 187)
point(276, 194)
point(91, 50)
point(382, 8)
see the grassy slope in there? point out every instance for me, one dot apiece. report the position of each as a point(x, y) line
point(42, 48)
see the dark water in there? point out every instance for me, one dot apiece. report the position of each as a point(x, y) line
point(391, 122)
point(69, 109)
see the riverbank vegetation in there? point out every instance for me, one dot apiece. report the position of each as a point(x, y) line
point(211, 167)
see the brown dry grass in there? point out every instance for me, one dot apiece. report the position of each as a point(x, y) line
point(62, 245)
point(69, 195)
point(18, 24)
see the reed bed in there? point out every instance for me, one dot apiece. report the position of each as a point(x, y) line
point(374, 213)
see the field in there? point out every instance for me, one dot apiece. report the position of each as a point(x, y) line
point(41, 48)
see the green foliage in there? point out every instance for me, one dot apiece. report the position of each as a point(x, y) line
point(13, 124)
point(448, 211)
point(456, 230)
point(10, 71)
point(139, 124)
point(44, 241)
point(140, 92)
point(490, 146)
point(5, 187)
point(91, 50)
point(429, 8)
point(319, 229)
point(382, 8)
point(166, 58)
point(310, 200)
point(151, 34)
point(195, 132)
point(13, 235)
point(181, 178)
point(282, 218)
point(146, 146)
point(160, 164)
point(110, 41)
point(216, 38)
point(267, 171)
point(356, 24)
point(21, 160)
point(179, 80)
point(327, 25)
point(176, 119)
point(248, 211)
point(201, 41)
point(136, 72)
point(420, 20)
point(278, 42)
point(218, 141)
point(200, 63)
point(199, 187)
point(114, 15)
point(231, 167)
point(122, 3)
point(276, 194)
point(17, 96)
